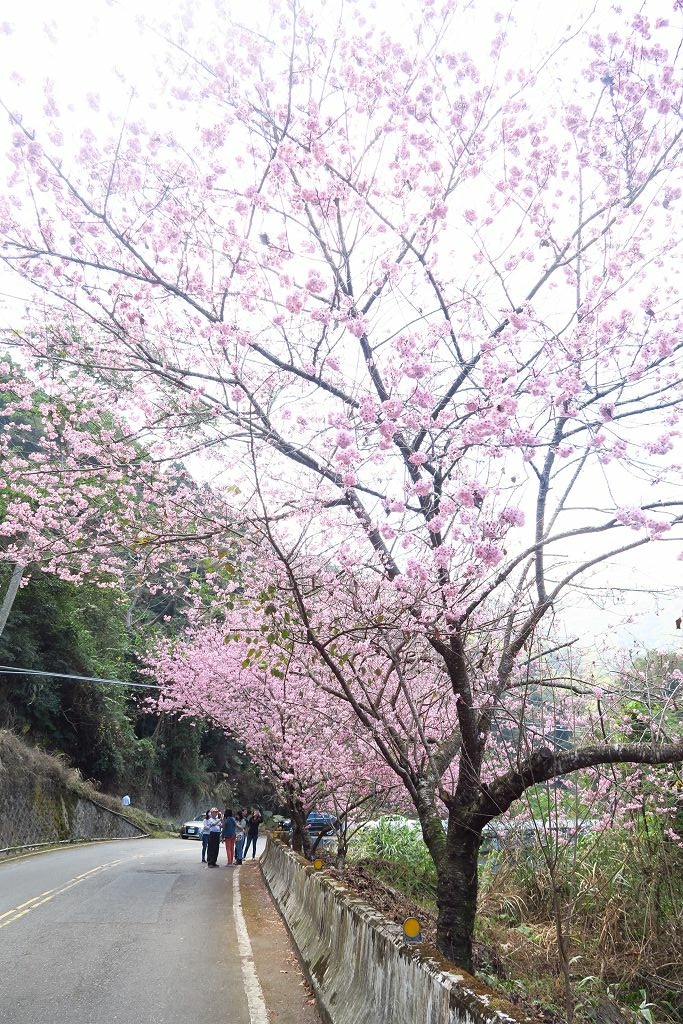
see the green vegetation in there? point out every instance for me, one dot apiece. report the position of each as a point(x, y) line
point(74, 630)
point(104, 730)
point(398, 856)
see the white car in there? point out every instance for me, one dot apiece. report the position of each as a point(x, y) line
point(193, 829)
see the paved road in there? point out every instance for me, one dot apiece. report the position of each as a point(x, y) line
point(125, 932)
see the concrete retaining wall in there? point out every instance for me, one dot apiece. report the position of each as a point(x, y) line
point(38, 804)
point(360, 967)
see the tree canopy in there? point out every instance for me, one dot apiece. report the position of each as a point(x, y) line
point(419, 296)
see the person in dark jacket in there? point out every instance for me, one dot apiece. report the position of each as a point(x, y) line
point(229, 832)
point(253, 822)
point(214, 838)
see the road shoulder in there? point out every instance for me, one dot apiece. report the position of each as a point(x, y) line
point(285, 989)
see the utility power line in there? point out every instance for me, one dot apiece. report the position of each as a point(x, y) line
point(9, 670)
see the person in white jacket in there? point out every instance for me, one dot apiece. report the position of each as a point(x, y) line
point(240, 835)
point(205, 834)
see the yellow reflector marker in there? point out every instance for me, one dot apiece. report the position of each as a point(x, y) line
point(317, 864)
point(412, 929)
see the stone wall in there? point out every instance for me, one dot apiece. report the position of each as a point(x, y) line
point(360, 967)
point(41, 801)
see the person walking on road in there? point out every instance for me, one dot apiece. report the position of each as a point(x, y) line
point(205, 835)
point(253, 822)
point(240, 834)
point(214, 838)
point(229, 833)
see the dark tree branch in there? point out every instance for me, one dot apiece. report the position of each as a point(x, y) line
point(545, 764)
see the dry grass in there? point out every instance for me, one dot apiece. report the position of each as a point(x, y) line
point(622, 917)
point(18, 756)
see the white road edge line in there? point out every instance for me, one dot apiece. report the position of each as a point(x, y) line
point(258, 1013)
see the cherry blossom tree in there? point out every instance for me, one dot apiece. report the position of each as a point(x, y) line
point(420, 294)
point(315, 756)
point(82, 498)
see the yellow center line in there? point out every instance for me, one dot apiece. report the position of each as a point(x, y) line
point(46, 897)
point(22, 905)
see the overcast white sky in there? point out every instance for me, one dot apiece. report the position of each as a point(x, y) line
point(97, 46)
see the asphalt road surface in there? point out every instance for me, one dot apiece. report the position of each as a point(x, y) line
point(125, 932)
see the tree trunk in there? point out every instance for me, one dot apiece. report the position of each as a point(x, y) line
point(10, 594)
point(298, 815)
point(342, 851)
point(456, 894)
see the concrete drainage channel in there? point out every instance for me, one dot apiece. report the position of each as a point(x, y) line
point(358, 962)
point(11, 852)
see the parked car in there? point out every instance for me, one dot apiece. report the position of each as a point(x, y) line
point(316, 822)
point(193, 829)
point(321, 821)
